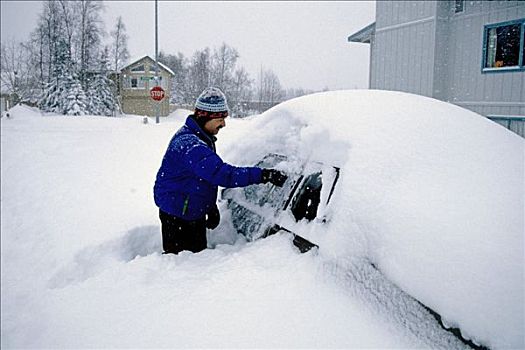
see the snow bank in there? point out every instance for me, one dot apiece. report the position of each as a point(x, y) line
point(431, 193)
point(81, 263)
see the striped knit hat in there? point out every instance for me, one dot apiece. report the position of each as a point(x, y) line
point(212, 100)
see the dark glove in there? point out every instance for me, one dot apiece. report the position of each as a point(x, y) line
point(213, 217)
point(274, 176)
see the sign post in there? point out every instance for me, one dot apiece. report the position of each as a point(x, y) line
point(157, 64)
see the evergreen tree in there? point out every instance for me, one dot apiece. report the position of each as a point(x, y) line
point(63, 94)
point(101, 96)
point(75, 101)
point(52, 97)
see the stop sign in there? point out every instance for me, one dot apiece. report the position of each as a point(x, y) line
point(157, 93)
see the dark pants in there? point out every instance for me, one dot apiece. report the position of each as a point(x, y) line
point(179, 235)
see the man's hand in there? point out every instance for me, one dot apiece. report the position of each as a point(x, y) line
point(213, 217)
point(274, 176)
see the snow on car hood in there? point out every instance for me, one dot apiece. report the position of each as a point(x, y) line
point(431, 193)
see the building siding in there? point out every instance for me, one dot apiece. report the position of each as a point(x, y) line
point(423, 47)
point(404, 46)
point(486, 93)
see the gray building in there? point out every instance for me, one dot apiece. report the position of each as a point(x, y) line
point(136, 80)
point(470, 53)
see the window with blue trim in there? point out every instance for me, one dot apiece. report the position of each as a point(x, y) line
point(503, 47)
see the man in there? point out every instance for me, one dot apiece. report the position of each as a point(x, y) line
point(187, 182)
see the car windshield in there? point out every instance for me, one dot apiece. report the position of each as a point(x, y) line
point(256, 209)
point(269, 195)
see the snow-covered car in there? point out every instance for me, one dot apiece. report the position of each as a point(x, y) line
point(421, 202)
point(260, 211)
point(427, 192)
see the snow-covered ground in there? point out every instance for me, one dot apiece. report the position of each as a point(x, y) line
point(429, 193)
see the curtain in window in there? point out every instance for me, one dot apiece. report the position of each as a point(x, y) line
point(492, 40)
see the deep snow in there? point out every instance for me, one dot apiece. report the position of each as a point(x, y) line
point(430, 193)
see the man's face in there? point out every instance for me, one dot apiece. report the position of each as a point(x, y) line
point(213, 126)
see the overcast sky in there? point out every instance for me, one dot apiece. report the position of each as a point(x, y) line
point(304, 43)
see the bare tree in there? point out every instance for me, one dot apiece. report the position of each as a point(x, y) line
point(89, 35)
point(224, 60)
point(16, 73)
point(67, 19)
point(49, 31)
point(36, 46)
point(296, 92)
point(240, 92)
point(180, 84)
point(270, 91)
point(200, 73)
point(119, 46)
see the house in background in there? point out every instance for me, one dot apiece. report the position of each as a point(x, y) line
point(135, 82)
point(8, 99)
point(470, 53)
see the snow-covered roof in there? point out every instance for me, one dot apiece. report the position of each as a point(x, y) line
point(148, 57)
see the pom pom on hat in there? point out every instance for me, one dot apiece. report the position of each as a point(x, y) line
point(212, 100)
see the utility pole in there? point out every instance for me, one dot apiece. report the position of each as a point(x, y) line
point(157, 109)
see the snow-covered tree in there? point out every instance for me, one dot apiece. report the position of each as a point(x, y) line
point(100, 92)
point(75, 102)
point(64, 93)
point(68, 44)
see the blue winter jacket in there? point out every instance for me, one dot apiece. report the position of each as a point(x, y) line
point(191, 171)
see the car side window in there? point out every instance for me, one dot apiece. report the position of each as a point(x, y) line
point(306, 201)
point(312, 192)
